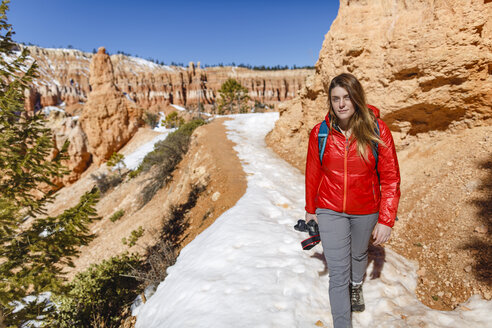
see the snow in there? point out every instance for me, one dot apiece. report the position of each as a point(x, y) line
point(178, 107)
point(248, 269)
point(37, 299)
point(161, 127)
point(133, 160)
point(148, 63)
point(56, 82)
point(136, 306)
point(49, 231)
point(128, 97)
point(48, 109)
point(9, 59)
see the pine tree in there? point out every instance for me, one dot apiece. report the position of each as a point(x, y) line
point(117, 160)
point(33, 247)
point(173, 120)
point(233, 97)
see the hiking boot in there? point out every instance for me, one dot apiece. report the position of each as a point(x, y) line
point(356, 298)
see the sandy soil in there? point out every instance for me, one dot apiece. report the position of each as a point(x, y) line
point(211, 161)
point(227, 183)
point(446, 214)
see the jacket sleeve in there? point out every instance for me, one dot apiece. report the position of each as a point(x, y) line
point(389, 174)
point(313, 171)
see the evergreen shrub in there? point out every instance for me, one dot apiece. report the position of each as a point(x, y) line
point(151, 119)
point(98, 295)
point(165, 157)
point(134, 236)
point(116, 215)
point(105, 182)
point(173, 120)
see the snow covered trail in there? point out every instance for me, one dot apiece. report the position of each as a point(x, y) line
point(248, 269)
point(133, 160)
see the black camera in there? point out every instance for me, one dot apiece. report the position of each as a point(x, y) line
point(312, 228)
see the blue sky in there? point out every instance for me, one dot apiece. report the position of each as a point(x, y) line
point(251, 32)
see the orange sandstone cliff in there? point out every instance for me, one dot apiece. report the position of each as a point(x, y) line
point(64, 77)
point(426, 64)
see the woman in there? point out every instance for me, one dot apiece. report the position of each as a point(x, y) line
point(352, 192)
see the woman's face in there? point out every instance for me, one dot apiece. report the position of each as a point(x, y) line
point(342, 105)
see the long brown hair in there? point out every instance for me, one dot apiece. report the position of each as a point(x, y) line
point(363, 121)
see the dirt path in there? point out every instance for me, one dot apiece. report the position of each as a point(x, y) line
point(227, 181)
point(211, 161)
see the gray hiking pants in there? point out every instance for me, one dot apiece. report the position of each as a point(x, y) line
point(345, 239)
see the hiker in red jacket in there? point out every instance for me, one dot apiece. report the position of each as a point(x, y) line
point(352, 189)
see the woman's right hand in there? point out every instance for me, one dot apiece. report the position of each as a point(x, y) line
point(310, 217)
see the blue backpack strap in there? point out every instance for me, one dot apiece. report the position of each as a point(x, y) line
point(376, 145)
point(375, 149)
point(322, 136)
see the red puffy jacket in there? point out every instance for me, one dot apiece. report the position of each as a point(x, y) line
point(346, 183)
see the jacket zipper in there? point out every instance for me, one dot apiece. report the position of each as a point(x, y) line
point(345, 176)
point(373, 192)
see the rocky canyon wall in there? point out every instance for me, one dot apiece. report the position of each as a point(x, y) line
point(64, 77)
point(426, 64)
point(105, 96)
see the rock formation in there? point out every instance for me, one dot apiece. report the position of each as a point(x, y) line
point(108, 119)
point(104, 96)
point(68, 128)
point(426, 64)
point(64, 78)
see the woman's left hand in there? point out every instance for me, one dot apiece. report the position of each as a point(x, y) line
point(381, 234)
